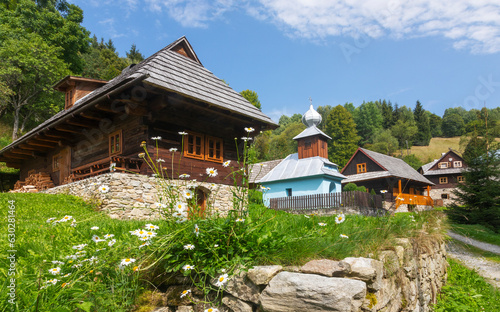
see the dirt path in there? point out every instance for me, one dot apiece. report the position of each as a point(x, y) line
point(488, 269)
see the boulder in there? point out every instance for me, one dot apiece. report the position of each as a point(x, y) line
point(240, 286)
point(327, 268)
point(289, 292)
point(236, 305)
point(262, 275)
point(367, 270)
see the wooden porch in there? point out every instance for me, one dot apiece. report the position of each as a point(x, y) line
point(413, 199)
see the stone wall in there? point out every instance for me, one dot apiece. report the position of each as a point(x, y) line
point(438, 192)
point(406, 278)
point(135, 196)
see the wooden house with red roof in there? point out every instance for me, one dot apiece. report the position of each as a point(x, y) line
point(105, 122)
point(398, 181)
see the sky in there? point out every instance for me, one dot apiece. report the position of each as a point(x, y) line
point(444, 53)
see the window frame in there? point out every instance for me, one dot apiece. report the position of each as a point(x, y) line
point(443, 180)
point(112, 143)
point(288, 192)
point(443, 165)
point(204, 147)
point(457, 164)
point(460, 179)
point(361, 168)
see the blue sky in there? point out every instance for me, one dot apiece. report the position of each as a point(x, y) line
point(445, 53)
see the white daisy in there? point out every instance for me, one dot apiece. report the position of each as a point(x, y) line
point(150, 226)
point(112, 167)
point(157, 138)
point(73, 224)
point(57, 262)
point(221, 280)
point(196, 230)
point(104, 189)
point(322, 224)
point(184, 176)
point(50, 220)
point(226, 163)
point(80, 247)
point(126, 262)
point(52, 281)
point(212, 172)
point(307, 216)
point(180, 214)
point(189, 247)
point(160, 160)
point(181, 220)
point(246, 138)
point(249, 129)
point(211, 310)
point(109, 236)
point(55, 271)
point(67, 274)
point(188, 194)
point(150, 234)
point(97, 239)
point(183, 133)
point(160, 205)
point(188, 267)
point(180, 206)
point(111, 242)
point(173, 149)
point(184, 293)
point(340, 218)
point(66, 218)
point(216, 245)
point(94, 228)
point(344, 236)
point(240, 220)
point(144, 244)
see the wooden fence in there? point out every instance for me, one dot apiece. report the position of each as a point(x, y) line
point(339, 201)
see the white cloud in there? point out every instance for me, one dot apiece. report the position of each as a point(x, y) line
point(471, 24)
point(109, 26)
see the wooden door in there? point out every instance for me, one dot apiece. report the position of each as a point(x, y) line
point(64, 164)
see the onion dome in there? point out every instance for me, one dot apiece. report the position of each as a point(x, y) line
point(311, 117)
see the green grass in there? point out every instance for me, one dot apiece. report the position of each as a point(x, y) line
point(265, 237)
point(477, 232)
point(466, 291)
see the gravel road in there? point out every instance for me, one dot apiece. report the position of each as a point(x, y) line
point(488, 269)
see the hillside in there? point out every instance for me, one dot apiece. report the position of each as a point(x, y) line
point(436, 147)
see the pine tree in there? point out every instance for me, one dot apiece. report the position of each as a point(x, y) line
point(423, 136)
point(134, 56)
point(341, 128)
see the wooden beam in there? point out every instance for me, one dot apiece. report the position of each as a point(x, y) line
point(116, 109)
point(16, 156)
point(69, 129)
point(42, 144)
point(40, 138)
point(136, 110)
point(18, 151)
point(94, 115)
point(31, 148)
point(84, 124)
point(55, 135)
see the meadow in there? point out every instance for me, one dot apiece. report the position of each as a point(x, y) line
point(91, 262)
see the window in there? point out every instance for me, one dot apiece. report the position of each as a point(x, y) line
point(115, 143)
point(361, 168)
point(445, 196)
point(460, 179)
point(70, 97)
point(56, 162)
point(457, 164)
point(443, 180)
point(203, 147)
point(443, 165)
point(289, 192)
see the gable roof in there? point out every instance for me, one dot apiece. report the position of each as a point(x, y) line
point(170, 71)
point(311, 131)
point(292, 168)
point(392, 166)
point(427, 168)
point(259, 170)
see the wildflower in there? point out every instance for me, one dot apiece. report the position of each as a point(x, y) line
point(183, 133)
point(94, 228)
point(143, 143)
point(144, 238)
point(101, 249)
point(66, 218)
point(184, 293)
point(189, 247)
point(55, 271)
point(340, 218)
point(226, 163)
point(307, 216)
point(111, 242)
point(173, 150)
point(112, 167)
point(181, 220)
point(188, 194)
point(159, 160)
point(80, 253)
point(79, 247)
point(212, 172)
point(152, 226)
point(73, 224)
point(216, 245)
point(180, 214)
point(184, 176)
point(52, 281)
point(196, 230)
point(221, 280)
point(211, 310)
point(96, 239)
point(344, 236)
point(180, 206)
point(135, 268)
point(108, 236)
point(76, 266)
point(139, 233)
point(67, 274)
point(126, 262)
point(50, 220)
point(383, 191)
point(104, 189)
point(141, 155)
point(71, 257)
point(57, 262)
point(249, 129)
point(188, 267)
point(150, 234)
point(223, 270)
point(160, 205)
point(144, 244)
point(246, 138)
point(322, 224)
point(191, 186)
point(240, 220)
point(156, 138)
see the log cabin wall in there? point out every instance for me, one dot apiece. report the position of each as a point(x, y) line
point(361, 158)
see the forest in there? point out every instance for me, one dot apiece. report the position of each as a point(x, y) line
point(42, 41)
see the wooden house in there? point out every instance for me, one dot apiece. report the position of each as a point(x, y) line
point(398, 181)
point(105, 123)
point(307, 172)
point(445, 173)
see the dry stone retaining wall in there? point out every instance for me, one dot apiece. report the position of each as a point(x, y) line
point(406, 278)
point(135, 196)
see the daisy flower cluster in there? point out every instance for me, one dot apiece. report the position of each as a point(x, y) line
point(66, 218)
point(145, 235)
point(180, 212)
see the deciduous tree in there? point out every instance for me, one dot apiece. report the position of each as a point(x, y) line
point(341, 128)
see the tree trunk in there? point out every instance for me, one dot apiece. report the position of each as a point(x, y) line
point(16, 123)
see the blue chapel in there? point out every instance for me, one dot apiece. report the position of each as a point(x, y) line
point(307, 172)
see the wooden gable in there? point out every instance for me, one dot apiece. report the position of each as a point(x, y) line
point(357, 160)
point(183, 47)
point(449, 160)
